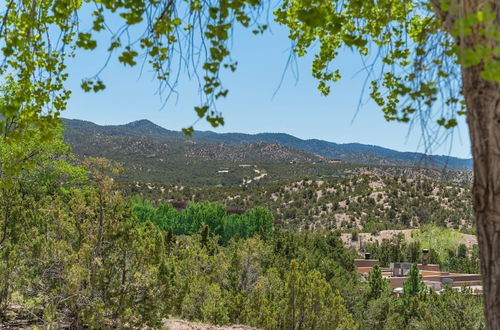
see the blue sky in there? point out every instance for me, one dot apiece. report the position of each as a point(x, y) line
point(297, 108)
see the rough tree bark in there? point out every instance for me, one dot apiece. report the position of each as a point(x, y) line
point(483, 111)
point(483, 116)
point(482, 99)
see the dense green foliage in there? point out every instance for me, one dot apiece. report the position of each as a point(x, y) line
point(75, 252)
point(191, 220)
point(421, 308)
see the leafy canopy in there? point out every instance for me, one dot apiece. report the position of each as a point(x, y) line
point(413, 45)
point(38, 37)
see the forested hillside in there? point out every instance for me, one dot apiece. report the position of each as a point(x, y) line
point(155, 155)
point(302, 189)
point(235, 143)
point(364, 202)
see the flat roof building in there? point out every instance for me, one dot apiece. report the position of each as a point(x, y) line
point(397, 273)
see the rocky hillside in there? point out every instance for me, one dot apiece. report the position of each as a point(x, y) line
point(255, 152)
point(366, 202)
point(151, 154)
point(123, 147)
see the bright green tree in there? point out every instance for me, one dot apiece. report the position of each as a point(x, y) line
point(38, 37)
point(29, 172)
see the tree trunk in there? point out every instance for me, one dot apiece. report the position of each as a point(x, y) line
point(483, 115)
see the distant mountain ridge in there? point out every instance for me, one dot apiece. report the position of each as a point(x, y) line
point(350, 152)
point(313, 149)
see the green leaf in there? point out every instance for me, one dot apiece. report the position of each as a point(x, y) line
point(188, 131)
point(128, 56)
point(85, 41)
point(201, 111)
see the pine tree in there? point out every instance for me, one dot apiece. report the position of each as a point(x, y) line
point(377, 283)
point(312, 303)
point(413, 284)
